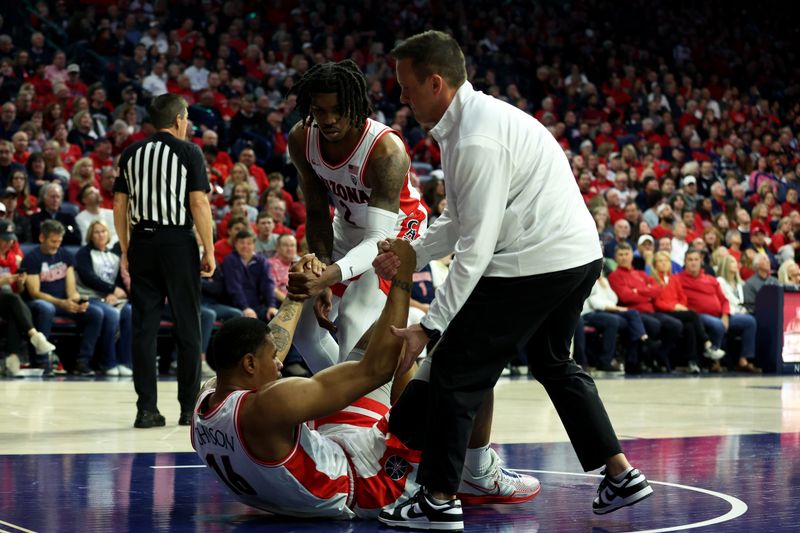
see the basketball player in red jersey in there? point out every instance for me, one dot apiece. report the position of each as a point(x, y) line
point(362, 167)
point(325, 446)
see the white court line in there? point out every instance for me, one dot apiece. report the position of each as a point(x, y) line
point(178, 466)
point(15, 527)
point(738, 507)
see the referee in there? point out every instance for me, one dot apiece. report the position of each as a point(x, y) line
point(160, 193)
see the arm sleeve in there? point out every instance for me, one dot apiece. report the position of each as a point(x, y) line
point(380, 225)
point(483, 172)
point(232, 274)
point(86, 273)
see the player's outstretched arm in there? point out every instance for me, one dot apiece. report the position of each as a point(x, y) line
point(337, 387)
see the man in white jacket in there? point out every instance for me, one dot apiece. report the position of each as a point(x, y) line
point(526, 257)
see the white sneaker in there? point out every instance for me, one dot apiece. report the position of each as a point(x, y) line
point(206, 371)
point(124, 371)
point(715, 354)
point(112, 372)
point(612, 495)
point(498, 486)
point(693, 368)
point(41, 343)
point(12, 365)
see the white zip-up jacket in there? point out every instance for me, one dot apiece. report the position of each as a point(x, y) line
point(513, 205)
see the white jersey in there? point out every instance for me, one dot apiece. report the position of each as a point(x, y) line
point(350, 466)
point(345, 182)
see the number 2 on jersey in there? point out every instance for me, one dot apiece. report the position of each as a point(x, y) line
point(347, 213)
point(235, 482)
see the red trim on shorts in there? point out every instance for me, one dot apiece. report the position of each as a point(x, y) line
point(381, 489)
point(352, 418)
point(369, 404)
point(346, 418)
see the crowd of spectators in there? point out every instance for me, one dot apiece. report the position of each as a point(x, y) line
point(683, 136)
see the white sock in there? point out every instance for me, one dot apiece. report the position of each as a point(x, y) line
point(478, 460)
point(620, 477)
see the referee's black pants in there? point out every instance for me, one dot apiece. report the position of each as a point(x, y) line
point(501, 316)
point(165, 263)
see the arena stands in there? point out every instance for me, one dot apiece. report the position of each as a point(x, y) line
point(681, 119)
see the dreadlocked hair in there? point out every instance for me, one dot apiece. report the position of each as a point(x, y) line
point(343, 78)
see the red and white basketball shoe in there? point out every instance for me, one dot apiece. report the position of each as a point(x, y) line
point(500, 485)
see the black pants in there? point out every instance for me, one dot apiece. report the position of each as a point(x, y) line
point(694, 336)
point(666, 329)
point(501, 317)
point(19, 319)
point(165, 263)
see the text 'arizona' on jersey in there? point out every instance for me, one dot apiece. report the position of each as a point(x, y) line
point(345, 180)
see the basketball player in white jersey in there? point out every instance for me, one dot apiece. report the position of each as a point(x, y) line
point(326, 446)
point(362, 166)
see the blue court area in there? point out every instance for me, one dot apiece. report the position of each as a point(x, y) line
point(716, 484)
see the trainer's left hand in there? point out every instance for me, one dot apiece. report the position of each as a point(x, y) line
point(415, 340)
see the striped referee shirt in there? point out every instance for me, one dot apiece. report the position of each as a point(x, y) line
point(158, 174)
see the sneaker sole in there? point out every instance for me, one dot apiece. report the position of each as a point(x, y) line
point(630, 500)
point(474, 499)
point(436, 526)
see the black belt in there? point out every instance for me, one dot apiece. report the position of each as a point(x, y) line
point(152, 227)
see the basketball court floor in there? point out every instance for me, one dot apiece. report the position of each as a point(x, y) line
point(722, 453)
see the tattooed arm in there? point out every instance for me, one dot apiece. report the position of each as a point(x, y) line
point(340, 385)
point(282, 326)
point(284, 323)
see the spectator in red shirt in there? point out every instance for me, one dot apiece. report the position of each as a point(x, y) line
point(783, 235)
point(622, 234)
point(101, 155)
point(248, 157)
point(636, 290)
point(82, 174)
point(791, 203)
point(673, 301)
point(210, 138)
point(277, 208)
point(613, 202)
point(706, 298)
point(666, 218)
point(20, 142)
point(224, 246)
point(107, 187)
point(585, 185)
point(277, 180)
point(281, 262)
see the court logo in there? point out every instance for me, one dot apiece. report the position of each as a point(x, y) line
point(396, 467)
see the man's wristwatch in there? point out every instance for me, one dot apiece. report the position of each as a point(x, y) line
point(431, 333)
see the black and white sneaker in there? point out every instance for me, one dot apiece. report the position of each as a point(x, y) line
point(611, 495)
point(420, 512)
